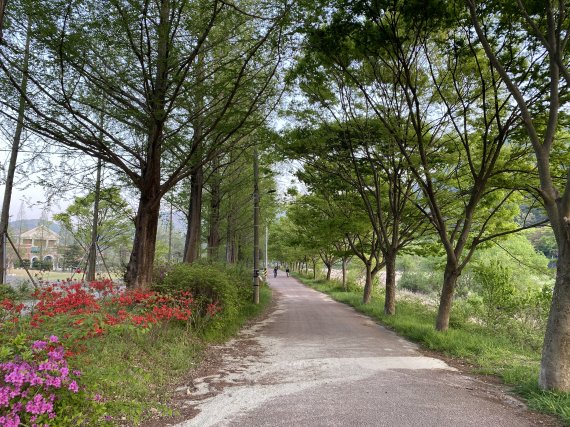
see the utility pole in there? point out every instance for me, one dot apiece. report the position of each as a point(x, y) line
point(255, 227)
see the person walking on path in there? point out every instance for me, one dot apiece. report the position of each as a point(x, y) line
point(287, 271)
point(275, 271)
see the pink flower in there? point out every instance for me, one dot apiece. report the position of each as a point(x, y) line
point(73, 387)
point(39, 345)
point(38, 405)
point(53, 339)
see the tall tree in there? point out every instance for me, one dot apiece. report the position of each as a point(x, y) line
point(143, 57)
point(446, 110)
point(16, 144)
point(359, 152)
point(536, 67)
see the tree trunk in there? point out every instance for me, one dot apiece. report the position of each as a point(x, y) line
point(230, 246)
point(329, 270)
point(92, 259)
point(214, 234)
point(449, 282)
point(5, 215)
point(195, 218)
point(344, 287)
point(555, 365)
point(314, 269)
point(390, 301)
point(140, 266)
point(367, 294)
point(141, 262)
point(2, 11)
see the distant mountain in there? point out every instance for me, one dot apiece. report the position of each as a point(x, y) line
point(28, 224)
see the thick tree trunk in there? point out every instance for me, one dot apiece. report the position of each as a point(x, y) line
point(329, 270)
point(449, 282)
point(390, 301)
point(141, 262)
point(555, 365)
point(195, 222)
point(368, 283)
point(140, 266)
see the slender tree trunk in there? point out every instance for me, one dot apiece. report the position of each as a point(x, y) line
point(229, 236)
point(2, 11)
point(195, 222)
point(314, 269)
point(390, 301)
point(344, 287)
point(329, 270)
point(214, 234)
point(450, 277)
point(368, 283)
point(5, 216)
point(92, 260)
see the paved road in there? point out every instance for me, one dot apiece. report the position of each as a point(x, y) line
point(315, 362)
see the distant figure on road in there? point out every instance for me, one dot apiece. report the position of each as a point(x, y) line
point(275, 271)
point(287, 271)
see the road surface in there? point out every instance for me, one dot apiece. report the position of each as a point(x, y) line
point(316, 362)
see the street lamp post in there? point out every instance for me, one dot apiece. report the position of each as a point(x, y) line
point(256, 198)
point(266, 241)
point(255, 228)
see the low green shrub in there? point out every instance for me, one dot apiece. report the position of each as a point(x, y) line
point(208, 284)
point(219, 291)
point(7, 292)
point(422, 282)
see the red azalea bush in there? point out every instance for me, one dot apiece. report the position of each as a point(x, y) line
point(75, 313)
point(87, 310)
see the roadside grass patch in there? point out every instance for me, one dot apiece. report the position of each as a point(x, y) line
point(491, 351)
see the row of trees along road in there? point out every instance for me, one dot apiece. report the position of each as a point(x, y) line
point(455, 113)
point(156, 90)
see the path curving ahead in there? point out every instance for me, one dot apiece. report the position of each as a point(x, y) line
point(316, 362)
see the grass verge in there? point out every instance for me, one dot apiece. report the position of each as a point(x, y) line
point(137, 370)
point(491, 352)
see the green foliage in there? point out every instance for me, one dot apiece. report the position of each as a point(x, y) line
point(497, 291)
point(114, 228)
point(214, 287)
point(419, 274)
point(544, 241)
point(7, 292)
